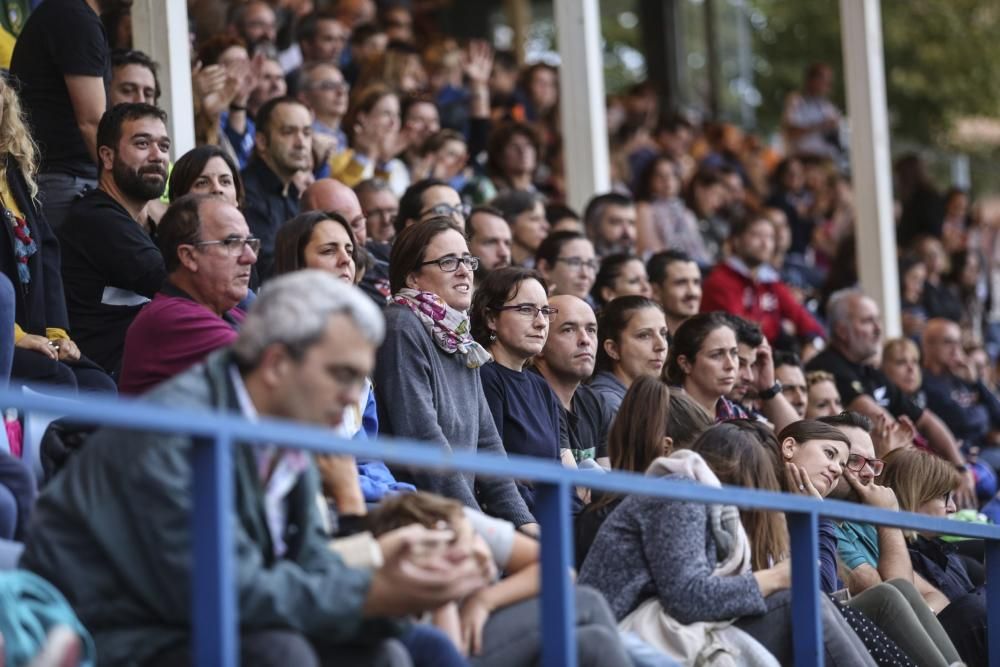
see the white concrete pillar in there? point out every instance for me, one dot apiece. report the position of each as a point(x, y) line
point(581, 100)
point(160, 29)
point(871, 171)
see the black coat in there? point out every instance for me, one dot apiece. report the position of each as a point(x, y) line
point(41, 303)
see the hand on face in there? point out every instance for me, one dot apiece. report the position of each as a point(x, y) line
point(799, 481)
point(872, 494)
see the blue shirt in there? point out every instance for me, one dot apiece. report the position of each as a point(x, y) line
point(526, 413)
point(857, 544)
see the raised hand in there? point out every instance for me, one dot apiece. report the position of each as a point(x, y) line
point(477, 62)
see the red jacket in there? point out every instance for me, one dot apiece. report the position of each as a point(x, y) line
point(766, 300)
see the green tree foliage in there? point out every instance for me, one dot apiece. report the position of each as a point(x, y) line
point(941, 59)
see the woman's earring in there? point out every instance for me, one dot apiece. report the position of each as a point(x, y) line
point(493, 336)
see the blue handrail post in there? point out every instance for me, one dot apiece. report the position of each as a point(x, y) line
point(552, 508)
point(213, 596)
point(807, 628)
point(993, 601)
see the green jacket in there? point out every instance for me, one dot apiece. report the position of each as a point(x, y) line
point(112, 532)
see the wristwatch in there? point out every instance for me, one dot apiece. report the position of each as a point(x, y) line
point(768, 394)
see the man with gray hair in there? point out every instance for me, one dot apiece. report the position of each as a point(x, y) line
point(855, 342)
point(208, 252)
point(112, 531)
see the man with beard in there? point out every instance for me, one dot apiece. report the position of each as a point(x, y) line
point(610, 223)
point(747, 285)
point(110, 265)
point(676, 283)
point(489, 239)
point(62, 64)
point(253, 22)
point(282, 148)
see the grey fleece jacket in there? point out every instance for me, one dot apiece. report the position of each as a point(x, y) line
point(611, 392)
point(664, 548)
point(428, 395)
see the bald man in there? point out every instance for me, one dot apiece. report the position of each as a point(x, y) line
point(969, 408)
point(332, 196)
point(565, 362)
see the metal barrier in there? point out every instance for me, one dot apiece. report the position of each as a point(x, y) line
point(214, 613)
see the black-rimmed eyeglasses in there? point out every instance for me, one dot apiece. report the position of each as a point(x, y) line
point(450, 263)
point(529, 310)
point(461, 210)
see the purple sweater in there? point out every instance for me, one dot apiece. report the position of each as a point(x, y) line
point(169, 335)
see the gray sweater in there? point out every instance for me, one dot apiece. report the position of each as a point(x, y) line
point(658, 547)
point(428, 395)
point(611, 391)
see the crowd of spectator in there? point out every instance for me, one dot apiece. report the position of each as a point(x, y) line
point(371, 236)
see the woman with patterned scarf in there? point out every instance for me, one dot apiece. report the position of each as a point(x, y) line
point(427, 383)
point(29, 256)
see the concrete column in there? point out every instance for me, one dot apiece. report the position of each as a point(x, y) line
point(581, 100)
point(160, 29)
point(871, 172)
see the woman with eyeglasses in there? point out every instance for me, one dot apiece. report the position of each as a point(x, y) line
point(510, 318)
point(620, 275)
point(631, 342)
point(427, 374)
point(926, 484)
point(569, 263)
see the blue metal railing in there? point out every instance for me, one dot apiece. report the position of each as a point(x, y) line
point(214, 614)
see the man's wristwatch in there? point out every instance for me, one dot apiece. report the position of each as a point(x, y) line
point(768, 394)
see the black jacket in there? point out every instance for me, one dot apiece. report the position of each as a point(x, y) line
point(40, 303)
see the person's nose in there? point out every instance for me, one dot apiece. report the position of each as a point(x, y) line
point(247, 255)
point(157, 154)
point(729, 363)
point(217, 187)
point(659, 343)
